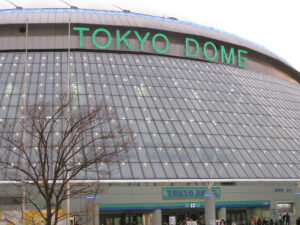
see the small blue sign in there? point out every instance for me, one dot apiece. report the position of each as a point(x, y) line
point(93, 197)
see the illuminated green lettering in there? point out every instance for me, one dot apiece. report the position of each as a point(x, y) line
point(231, 55)
point(142, 40)
point(108, 37)
point(205, 50)
point(81, 29)
point(187, 52)
point(154, 43)
point(240, 58)
point(123, 38)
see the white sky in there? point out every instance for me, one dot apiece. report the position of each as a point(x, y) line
point(274, 24)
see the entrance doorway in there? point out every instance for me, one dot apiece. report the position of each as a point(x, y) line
point(121, 219)
point(183, 215)
point(236, 215)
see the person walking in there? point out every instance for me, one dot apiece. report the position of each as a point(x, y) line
point(287, 219)
point(255, 220)
point(228, 221)
point(264, 222)
point(280, 219)
point(259, 221)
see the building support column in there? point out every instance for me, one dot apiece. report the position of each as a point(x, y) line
point(92, 211)
point(297, 203)
point(157, 220)
point(273, 210)
point(222, 213)
point(210, 208)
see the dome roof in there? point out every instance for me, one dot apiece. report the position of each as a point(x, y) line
point(193, 120)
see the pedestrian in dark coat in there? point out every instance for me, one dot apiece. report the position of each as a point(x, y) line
point(284, 219)
point(259, 221)
point(264, 222)
point(287, 219)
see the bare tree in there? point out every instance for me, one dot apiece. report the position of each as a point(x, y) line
point(61, 144)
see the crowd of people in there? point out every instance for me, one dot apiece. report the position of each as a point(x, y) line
point(284, 219)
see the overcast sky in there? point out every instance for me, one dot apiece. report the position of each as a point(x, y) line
point(274, 24)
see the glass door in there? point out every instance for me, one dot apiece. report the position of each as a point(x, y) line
point(236, 216)
point(133, 219)
point(121, 219)
point(110, 220)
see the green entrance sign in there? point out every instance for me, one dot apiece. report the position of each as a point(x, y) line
point(188, 192)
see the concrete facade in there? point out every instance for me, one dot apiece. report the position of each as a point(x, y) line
point(150, 198)
point(127, 198)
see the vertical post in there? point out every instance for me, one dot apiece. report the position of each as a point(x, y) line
point(210, 208)
point(222, 213)
point(92, 210)
point(68, 116)
point(157, 217)
point(272, 212)
point(297, 202)
point(24, 125)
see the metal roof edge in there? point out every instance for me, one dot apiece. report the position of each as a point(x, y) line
point(120, 181)
point(110, 12)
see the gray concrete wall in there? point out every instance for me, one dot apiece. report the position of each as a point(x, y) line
point(241, 192)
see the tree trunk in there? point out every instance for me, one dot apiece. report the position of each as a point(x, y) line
point(48, 216)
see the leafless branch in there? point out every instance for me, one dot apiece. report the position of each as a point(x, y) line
point(60, 141)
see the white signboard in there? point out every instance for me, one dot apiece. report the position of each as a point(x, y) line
point(172, 220)
point(192, 223)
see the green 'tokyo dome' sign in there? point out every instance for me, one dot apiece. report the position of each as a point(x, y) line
point(102, 38)
point(188, 192)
